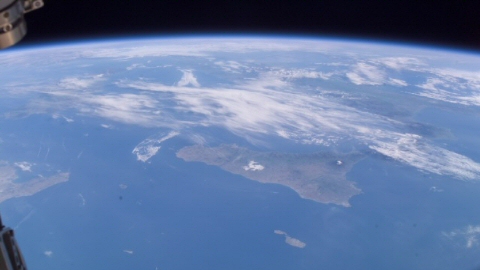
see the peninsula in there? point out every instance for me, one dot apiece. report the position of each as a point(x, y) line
point(10, 188)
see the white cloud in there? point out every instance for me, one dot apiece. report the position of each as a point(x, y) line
point(48, 253)
point(188, 79)
point(82, 199)
point(364, 73)
point(24, 166)
point(445, 84)
point(257, 109)
point(127, 108)
point(80, 83)
point(470, 235)
point(453, 86)
point(200, 47)
point(431, 84)
point(435, 189)
point(268, 103)
point(399, 63)
point(149, 147)
point(253, 166)
point(57, 116)
point(253, 109)
point(145, 152)
point(370, 73)
point(300, 73)
point(231, 66)
point(333, 64)
point(397, 82)
point(284, 134)
point(135, 66)
point(106, 126)
point(69, 120)
point(131, 108)
point(412, 150)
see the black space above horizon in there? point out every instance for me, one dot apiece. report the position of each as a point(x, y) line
point(452, 23)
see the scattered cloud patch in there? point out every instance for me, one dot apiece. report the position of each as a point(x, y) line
point(301, 73)
point(106, 126)
point(290, 240)
point(48, 253)
point(453, 86)
point(197, 139)
point(24, 166)
point(130, 252)
point(149, 147)
point(253, 166)
point(366, 74)
point(57, 116)
point(203, 47)
point(376, 71)
point(399, 63)
point(435, 189)
point(470, 235)
point(188, 79)
point(83, 201)
point(123, 186)
point(412, 150)
point(144, 153)
point(126, 108)
point(397, 82)
point(231, 66)
point(135, 66)
point(283, 133)
point(333, 64)
point(79, 154)
point(69, 120)
point(253, 108)
point(80, 82)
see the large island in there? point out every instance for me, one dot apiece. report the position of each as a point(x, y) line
point(320, 177)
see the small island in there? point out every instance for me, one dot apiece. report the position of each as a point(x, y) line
point(290, 240)
point(320, 177)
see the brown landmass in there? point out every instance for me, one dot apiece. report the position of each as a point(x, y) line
point(320, 177)
point(9, 189)
point(290, 240)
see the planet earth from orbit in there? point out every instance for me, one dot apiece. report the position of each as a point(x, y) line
point(241, 152)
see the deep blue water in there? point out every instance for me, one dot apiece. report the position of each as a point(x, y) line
point(173, 214)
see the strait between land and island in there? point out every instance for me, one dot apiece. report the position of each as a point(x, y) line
point(320, 177)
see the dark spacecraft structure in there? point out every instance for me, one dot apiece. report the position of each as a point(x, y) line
point(11, 257)
point(12, 22)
